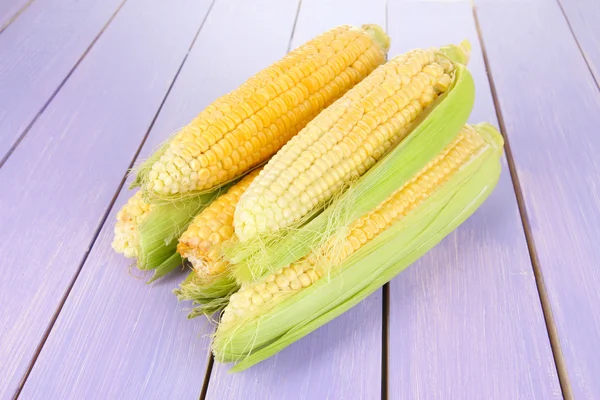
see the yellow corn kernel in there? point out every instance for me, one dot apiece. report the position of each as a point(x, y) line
point(201, 242)
point(265, 112)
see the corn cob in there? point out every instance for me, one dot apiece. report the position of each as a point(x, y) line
point(210, 283)
point(247, 126)
point(266, 316)
point(149, 232)
point(263, 254)
point(344, 141)
point(127, 238)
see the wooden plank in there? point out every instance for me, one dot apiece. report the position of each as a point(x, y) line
point(584, 17)
point(465, 321)
point(341, 360)
point(116, 336)
point(37, 53)
point(550, 105)
point(10, 10)
point(59, 182)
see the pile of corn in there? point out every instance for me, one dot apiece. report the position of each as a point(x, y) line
point(310, 186)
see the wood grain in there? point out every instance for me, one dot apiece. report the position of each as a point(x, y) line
point(58, 183)
point(550, 106)
point(10, 10)
point(584, 17)
point(37, 53)
point(341, 360)
point(116, 336)
point(465, 321)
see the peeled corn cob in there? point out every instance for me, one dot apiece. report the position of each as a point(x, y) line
point(245, 127)
point(433, 126)
point(210, 283)
point(266, 316)
point(344, 141)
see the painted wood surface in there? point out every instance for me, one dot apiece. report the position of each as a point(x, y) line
point(38, 52)
point(465, 321)
point(10, 10)
point(341, 360)
point(550, 106)
point(62, 177)
point(584, 20)
point(116, 336)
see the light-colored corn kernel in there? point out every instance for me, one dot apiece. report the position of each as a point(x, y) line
point(126, 235)
point(342, 142)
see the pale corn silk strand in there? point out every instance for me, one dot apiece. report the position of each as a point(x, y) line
point(275, 105)
point(256, 298)
point(342, 142)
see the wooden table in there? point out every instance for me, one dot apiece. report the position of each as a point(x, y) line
point(506, 307)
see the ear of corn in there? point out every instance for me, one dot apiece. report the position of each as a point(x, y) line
point(421, 212)
point(129, 217)
point(210, 283)
point(149, 232)
point(433, 130)
point(344, 141)
point(247, 126)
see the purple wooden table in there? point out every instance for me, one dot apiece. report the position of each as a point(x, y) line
point(504, 308)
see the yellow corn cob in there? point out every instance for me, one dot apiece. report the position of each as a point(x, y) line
point(305, 272)
point(200, 243)
point(245, 127)
point(209, 285)
point(342, 142)
point(127, 238)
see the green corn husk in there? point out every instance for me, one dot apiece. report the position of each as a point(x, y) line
point(266, 332)
point(434, 129)
point(166, 267)
point(159, 232)
point(208, 295)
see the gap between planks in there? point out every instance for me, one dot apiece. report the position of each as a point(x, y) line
point(385, 303)
point(211, 357)
point(559, 360)
point(587, 63)
point(207, 375)
point(385, 336)
point(117, 191)
point(16, 15)
point(60, 85)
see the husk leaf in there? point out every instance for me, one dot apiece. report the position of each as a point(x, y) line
point(209, 294)
point(161, 229)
